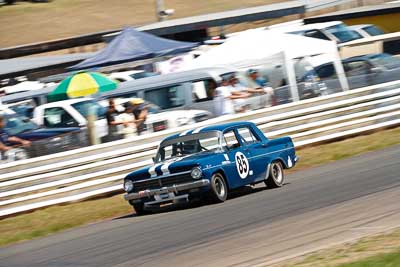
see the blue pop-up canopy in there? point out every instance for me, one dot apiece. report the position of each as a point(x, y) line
point(131, 45)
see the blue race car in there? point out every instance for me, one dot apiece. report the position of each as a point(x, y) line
point(209, 162)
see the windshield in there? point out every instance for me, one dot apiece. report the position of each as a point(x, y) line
point(16, 124)
point(346, 36)
point(84, 107)
point(188, 145)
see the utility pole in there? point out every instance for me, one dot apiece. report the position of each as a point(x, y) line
point(162, 13)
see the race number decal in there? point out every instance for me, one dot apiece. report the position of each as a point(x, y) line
point(242, 165)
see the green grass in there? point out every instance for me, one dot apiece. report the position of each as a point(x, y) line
point(57, 218)
point(381, 260)
point(377, 250)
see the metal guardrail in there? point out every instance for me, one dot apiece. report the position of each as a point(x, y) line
point(308, 122)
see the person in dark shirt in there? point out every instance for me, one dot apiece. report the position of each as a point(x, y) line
point(6, 139)
point(139, 110)
point(112, 123)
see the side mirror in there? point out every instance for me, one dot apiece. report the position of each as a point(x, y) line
point(154, 159)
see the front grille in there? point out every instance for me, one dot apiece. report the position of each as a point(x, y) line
point(161, 182)
point(178, 179)
point(149, 184)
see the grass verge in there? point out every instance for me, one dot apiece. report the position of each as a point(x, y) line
point(53, 219)
point(387, 260)
point(373, 251)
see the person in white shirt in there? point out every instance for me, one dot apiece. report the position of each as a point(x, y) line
point(225, 95)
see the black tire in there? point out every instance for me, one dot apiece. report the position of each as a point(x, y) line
point(139, 208)
point(276, 175)
point(218, 189)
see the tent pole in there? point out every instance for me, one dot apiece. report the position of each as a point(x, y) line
point(160, 9)
point(340, 71)
point(291, 76)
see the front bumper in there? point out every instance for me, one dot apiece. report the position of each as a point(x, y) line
point(166, 190)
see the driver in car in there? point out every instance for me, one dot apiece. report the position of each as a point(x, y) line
point(5, 138)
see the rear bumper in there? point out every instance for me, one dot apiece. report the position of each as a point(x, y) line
point(166, 190)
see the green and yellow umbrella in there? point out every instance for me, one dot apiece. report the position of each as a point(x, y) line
point(82, 84)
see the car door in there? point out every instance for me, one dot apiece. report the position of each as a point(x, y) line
point(238, 169)
point(256, 150)
point(358, 73)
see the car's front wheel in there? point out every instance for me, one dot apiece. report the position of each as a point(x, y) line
point(139, 208)
point(218, 188)
point(276, 175)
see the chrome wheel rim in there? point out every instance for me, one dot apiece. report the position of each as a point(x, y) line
point(277, 173)
point(219, 186)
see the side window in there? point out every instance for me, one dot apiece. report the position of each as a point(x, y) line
point(231, 140)
point(356, 68)
point(247, 136)
point(203, 90)
point(316, 34)
point(58, 117)
point(167, 97)
point(327, 71)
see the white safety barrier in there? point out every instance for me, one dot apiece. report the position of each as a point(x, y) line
point(140, 143)
point(309, 122)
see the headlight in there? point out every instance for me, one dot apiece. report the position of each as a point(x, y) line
point(196, 173)
point(128, 185)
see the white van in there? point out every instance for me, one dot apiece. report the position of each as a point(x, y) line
point(71, 113)
point(333, 31)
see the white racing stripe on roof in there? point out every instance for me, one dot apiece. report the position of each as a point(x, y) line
point(198, 129)
point(184, 133)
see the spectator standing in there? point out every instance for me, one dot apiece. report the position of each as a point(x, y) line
point(112, 122)
point(261, 84)
point(226, 97)
point(139, 110)
point(257, 79)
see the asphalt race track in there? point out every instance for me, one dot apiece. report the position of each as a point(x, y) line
point(256, 227)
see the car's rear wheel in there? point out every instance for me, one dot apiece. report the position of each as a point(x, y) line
point(218, 189)
point(276, 175)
